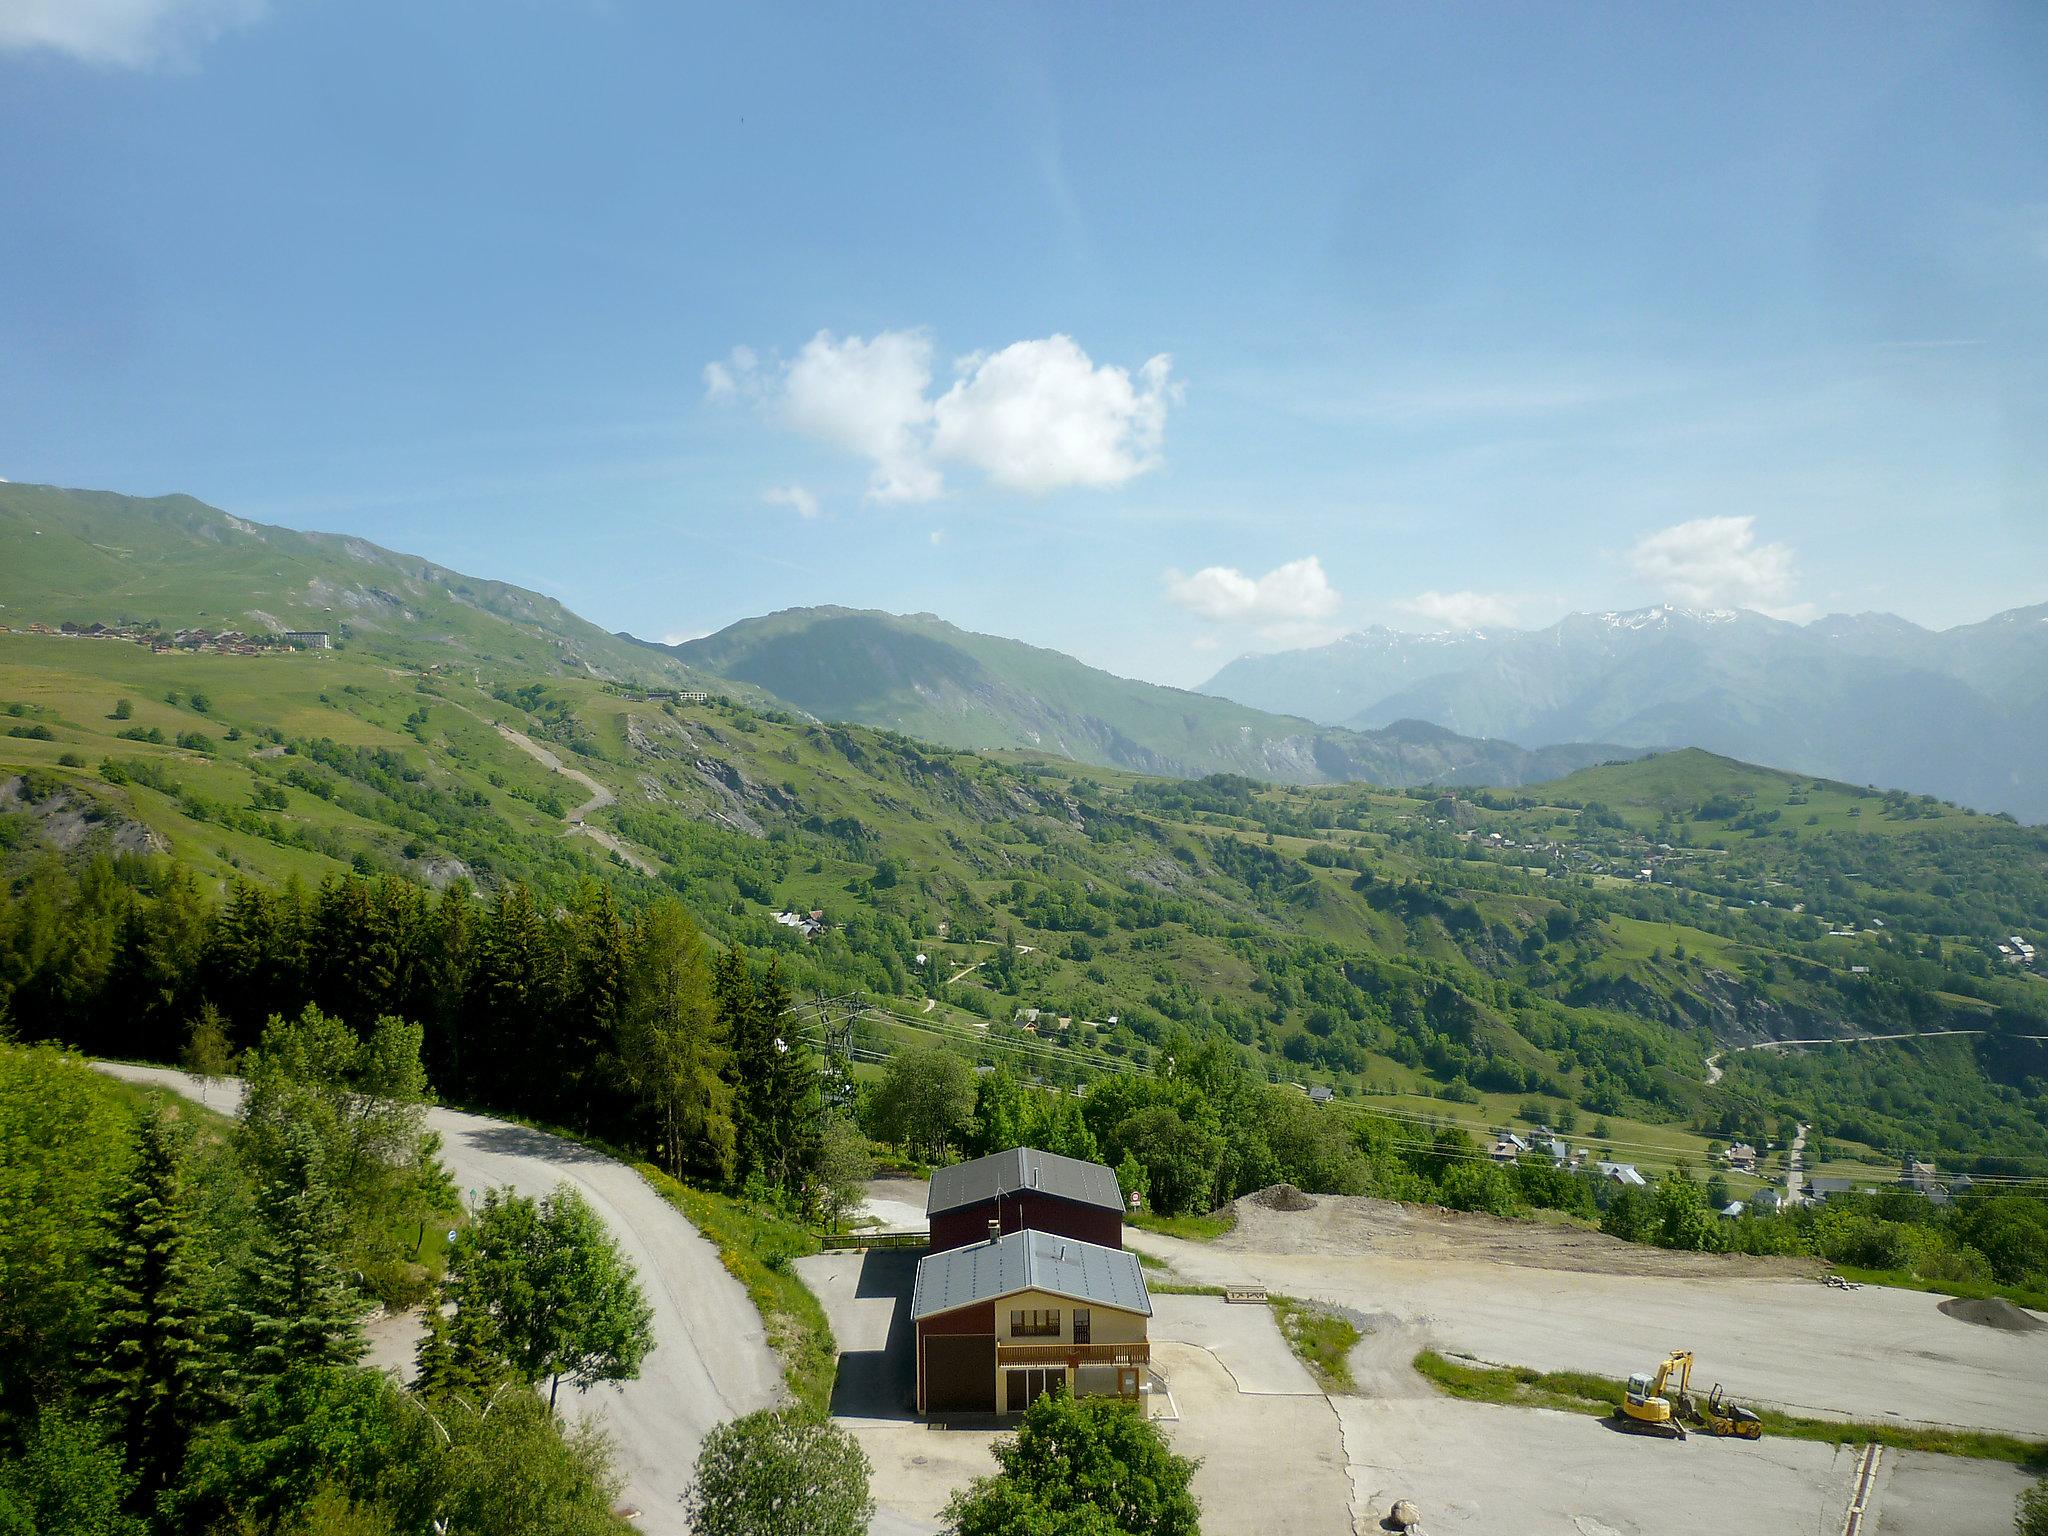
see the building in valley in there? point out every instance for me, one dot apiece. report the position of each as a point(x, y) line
point(1025, 1189)
point(1016, 1314)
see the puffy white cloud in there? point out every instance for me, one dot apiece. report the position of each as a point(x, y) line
point(795, 497)
point(1716, 562)
point(127, 34)
point(869, 398)
point(1036, 416)
point(1040, 416)
point(1462, 610)
point(1295, 593)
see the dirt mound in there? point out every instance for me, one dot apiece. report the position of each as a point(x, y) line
point(1282, 1197)
point(1996, 1312)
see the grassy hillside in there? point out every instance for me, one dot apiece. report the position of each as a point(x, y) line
point(926, 678)
point(1463, 955)
point(1681, 783)
point(87, 557)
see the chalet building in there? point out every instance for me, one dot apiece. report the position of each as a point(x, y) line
point(1025, 1189)
point(1005, 1319)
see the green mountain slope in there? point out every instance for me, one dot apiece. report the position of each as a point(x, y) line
point(1453, 953)
point(926, 678)
point(86, 557)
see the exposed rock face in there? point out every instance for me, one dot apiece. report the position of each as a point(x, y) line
point(67, 820)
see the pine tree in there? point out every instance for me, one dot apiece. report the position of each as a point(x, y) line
point(478, 1366)
point(296, 1308)
point(155, 1370)
point(776, 1107)
point(434, 1359)
point(599, 959)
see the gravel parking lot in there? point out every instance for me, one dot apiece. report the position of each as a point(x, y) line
point(1869, 1353)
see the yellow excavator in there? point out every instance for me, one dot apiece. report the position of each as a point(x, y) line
point(1663, 1404)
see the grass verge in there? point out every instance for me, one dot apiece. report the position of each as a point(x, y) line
point(1194, 1229)
point(756, 1244)
point(1321, 1338)
point(1579, 1392)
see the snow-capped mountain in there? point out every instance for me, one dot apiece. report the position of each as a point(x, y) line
point(1872, 698)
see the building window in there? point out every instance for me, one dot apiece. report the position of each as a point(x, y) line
point(1035, 1324)
point(1082, 1326)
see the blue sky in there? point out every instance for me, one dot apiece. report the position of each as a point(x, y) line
point(1151, 333)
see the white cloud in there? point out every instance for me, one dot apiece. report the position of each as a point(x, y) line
point(126, 34)
point(1036, 416)
point(795, 497)
point(1462, 610)
point(869, 398)
point(1716, 562)
point(1295, 593)
point(735, 372)
point(1039, 416)
point(683, 636)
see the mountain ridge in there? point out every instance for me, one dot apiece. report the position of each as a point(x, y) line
point(928, 678)
point(1865, 698)
point(85, 557)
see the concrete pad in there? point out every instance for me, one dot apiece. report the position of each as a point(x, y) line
point(866, 1297)
point(1916, 1494)
point(1793, 1344)
point(1268, 1464)
point(916, 1469)
point(1480, 1470)
point(1246, 1341)
point(895, 1205)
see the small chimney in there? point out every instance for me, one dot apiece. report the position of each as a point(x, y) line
point(995, 1228)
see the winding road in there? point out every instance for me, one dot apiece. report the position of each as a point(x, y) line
point(711, 1360)
point(600, 797)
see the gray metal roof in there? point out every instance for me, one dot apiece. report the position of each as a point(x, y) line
point(1030, 1261)
point(1022, 1168)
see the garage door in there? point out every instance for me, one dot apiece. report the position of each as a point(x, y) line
point(960, 1373)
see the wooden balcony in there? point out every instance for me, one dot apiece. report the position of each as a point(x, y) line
point(1055, 1353)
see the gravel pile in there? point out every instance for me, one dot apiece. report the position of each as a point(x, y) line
point(1995, 1312)
point(1282, 1197)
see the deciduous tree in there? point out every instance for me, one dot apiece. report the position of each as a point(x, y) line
point(561, 1298)
point(774, 1474)
point(1081, 1467)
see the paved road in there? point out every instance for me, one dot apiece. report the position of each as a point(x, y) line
point(1795, 1168)
point(711, 1360)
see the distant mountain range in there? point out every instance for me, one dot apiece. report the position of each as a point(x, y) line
point(926, 678)
point(1869, 698)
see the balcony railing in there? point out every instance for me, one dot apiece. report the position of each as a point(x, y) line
point(1139, 1353)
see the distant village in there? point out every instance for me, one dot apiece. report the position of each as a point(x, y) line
point(1648, 868)
point(230, 642)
